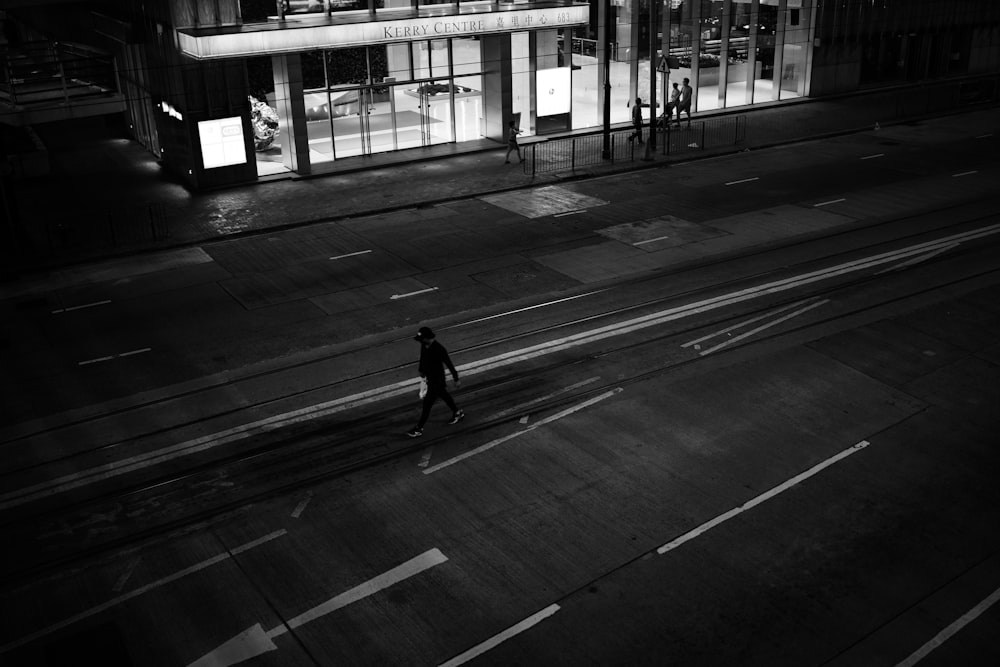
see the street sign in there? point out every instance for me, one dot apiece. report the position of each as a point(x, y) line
point(661, 64)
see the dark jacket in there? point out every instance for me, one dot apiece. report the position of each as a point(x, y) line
point(433, 359)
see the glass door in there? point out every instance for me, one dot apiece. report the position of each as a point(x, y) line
point(349, 118)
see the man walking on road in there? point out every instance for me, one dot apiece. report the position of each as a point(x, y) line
point(433, 359)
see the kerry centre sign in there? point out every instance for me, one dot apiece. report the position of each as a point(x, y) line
point(231, 42)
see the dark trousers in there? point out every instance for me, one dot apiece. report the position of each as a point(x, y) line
point(433, 392)
point(637, 132)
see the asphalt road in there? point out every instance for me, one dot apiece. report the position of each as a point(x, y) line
point(783, 456)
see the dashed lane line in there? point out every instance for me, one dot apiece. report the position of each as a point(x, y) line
point(122, 355)
point(827, 203)
point(81, 307)
point(498, 639)
point(767, 495)
point(950, 631)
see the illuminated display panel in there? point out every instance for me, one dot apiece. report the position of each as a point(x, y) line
point(554, 88)
point(222, 142)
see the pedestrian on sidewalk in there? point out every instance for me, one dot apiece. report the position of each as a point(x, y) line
point(512, 133)
point(685, 101)
point(636, 120)
point(674, 106)
point(433, 359)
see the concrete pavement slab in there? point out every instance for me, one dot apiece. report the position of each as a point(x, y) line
point(656, 233)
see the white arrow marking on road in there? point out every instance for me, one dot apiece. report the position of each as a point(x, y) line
point(917, 259)
point(141, 591)
point(255, 640)
point(108, 470)
point(747, 334)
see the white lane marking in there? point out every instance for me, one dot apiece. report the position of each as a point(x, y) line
point(965, 173)
point(658, 238)
point(495, 640)
point(526, 308)
point(420, 291)
point(94, 361)
point(425, 459)
point(872, 157)
point(542, 422)
point(86, 305)
point(113, 356)
point(771, 313)
point(297, 512)
point(140, 591)
point(112, 469)
point(918, 259)
point(743, 180)
point(559, 215)
point(984, 136)
point(524, 419)
point(520, 407)
point(352, 254)
point(827, 203)
point(770, 324)
point(949, 631)
point(120, 584)
point(767, 495)
point(256, 641)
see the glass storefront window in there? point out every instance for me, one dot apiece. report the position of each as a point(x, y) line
point(764, 89)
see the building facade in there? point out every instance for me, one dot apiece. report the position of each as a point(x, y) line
point(227, 91)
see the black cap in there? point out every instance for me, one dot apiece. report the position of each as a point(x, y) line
point(424, 334)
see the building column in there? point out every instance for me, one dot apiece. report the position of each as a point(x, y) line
point(291, 106)
point(497, 86)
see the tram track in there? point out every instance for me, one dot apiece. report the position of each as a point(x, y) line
point(108, 450)
point(302, 457)
point(618, 285)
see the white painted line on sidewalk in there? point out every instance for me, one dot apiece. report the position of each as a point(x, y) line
point(496, 640)
point(917, 260)
point(770, 324)
point(420, 291)
point(658, 238)
point(113, 356)
point(541, 422)
point(559, 215)
point(695, 343)
point(767, 495)
point(965, 173)
point(744, 180)
point(86, 305)
point(872, 157)
point(108, 470)
point(526, 308)
point(352, 254)
point(827, 203)
point(950, 631)
point(520, 407)
point(297, 512)
point(140, 591)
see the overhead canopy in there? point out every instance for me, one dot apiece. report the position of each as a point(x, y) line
point(288, 36)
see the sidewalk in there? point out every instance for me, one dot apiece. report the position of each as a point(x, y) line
point(99, 184)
